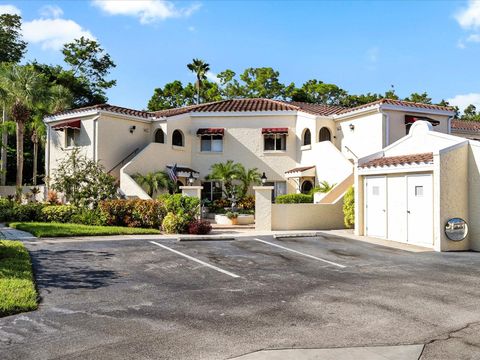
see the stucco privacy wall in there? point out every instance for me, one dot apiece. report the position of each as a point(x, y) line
point(243, 143)
point(474, 194)
point(451, 188)
point(308, 216)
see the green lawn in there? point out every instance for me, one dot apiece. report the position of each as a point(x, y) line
point(17, 289)
point(57, 229)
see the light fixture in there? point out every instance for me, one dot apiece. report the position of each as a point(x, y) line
point(191, 179)
point(132, 129)
point(352, 127)
point(263, 178)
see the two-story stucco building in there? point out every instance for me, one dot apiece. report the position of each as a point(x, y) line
point(297, 145)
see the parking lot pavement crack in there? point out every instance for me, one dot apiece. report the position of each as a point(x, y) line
point(451, 334)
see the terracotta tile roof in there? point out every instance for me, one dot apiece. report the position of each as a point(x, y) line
point(399, 160)
point(109, 108)
point(318, 109)
point(466, 126)
point(403, 103)
point(299, 169)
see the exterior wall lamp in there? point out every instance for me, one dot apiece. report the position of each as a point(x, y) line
point(264, 179)
point(191, 179)
point(132, 129)
point(352, 127)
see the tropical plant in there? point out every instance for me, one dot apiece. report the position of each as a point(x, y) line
point(153, 181)
point(247, 177)
point(294, 199)
point(323, 187)
point(25, 88)
point(349, 208)
point(225, 172)
point(200, 68)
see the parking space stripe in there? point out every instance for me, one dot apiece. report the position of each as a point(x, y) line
point(196, 260)
point(300, 253)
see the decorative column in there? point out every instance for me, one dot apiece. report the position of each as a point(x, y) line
point(192, 191)
point(263, 208)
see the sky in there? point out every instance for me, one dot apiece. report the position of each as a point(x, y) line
point(362, 46)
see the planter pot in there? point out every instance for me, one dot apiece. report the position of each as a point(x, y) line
point(221, 219)
point(234, 221)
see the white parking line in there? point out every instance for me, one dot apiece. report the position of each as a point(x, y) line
point(300, 253)
point(196, 260)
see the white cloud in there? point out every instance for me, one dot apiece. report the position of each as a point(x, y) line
point(211, 76)
point(463, 100)
point(147, 11)
point(53, 33)
point(9, 9)
point(474, 38)
point(469, 17)
point(51, 11)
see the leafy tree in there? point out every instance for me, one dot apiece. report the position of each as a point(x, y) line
point(89, 62)
point(318, 92)
point(12, 47)
point(225, 172)
point(230, 87)
point(84, 182)
point(25, 88)
point(154, 181)
point(264, 83)
point(419, 98)
point(200, 68)
point(357, 100)
point(470, 113)
point(247, 177)
point(349, 208)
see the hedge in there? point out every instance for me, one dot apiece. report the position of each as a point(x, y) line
point(294, 199)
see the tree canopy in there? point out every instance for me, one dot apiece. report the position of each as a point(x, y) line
point(12, 47)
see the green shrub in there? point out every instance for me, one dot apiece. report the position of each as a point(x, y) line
point(349, 208)
point(133, 213)
point(28, 212)
point(247, 203)
point(89, 217)
point(219, 205)
point(6, 209)
point(182, 205)
point(58, 213)
point(175, 224)
point(294, 199)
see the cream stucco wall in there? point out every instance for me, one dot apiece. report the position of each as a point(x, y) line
point(474, 194)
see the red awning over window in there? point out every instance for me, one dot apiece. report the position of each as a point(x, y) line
point(211, 131)
point(410, 119)
point(274, 130)
point(72, 124)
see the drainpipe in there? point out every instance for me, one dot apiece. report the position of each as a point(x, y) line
point(387, 128)
point(449, 122)
point(95, 131)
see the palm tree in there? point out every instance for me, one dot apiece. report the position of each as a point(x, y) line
point(200, 68)
point(247, 177)
point(153, 181)
point(4, 141)
point(58, 99)
point(323, 187)
point(26, 88)
point(226, 173)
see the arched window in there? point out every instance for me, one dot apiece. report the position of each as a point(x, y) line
point(159, 136)
point(307, 137)
point(307, 186)
point(324, 135)
point(177, 138)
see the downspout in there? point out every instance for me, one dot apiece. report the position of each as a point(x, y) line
point(449, 122)
point(95, 142)
point(387, 128)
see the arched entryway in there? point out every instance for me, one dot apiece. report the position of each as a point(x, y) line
point(307, 186)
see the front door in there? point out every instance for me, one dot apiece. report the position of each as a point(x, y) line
point(420, 209)
point(376, 206)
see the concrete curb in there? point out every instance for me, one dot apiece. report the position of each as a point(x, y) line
point(295, 235)
point(205, 238)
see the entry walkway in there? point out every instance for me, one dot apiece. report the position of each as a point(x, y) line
point(14, 234)
point(401, 352)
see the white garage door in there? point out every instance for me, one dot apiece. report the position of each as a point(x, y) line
point(400, 208)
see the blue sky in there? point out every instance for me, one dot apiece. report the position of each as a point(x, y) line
point(362, 46)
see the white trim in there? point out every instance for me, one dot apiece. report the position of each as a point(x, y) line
point(394, 169)
point(77, 114)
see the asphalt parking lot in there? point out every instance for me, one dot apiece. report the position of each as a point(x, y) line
point(163, 299)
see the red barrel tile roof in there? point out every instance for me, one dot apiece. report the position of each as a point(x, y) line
point(109, 108)
point(399, 160)
point(408, 104)
point(465, 125)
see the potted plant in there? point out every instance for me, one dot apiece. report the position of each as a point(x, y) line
point(233, 216)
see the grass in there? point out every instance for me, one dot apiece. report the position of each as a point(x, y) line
point(58, 229)
point(17, 288)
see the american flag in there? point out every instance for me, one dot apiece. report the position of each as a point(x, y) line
point(172, 172)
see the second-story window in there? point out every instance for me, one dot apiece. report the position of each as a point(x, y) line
point(177, 138)
point(211, 143)
point(275, 142)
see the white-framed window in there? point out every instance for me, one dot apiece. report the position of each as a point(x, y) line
point(275, 142)
point(211, 143)
point(280, 188)
point(212, 190)
point(177, 138)
point(71, 137)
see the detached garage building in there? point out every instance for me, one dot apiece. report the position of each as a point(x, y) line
point(408, 191)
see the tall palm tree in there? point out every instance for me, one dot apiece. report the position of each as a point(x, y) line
point(226, 173)
point(153, 181)
point(59, 98)
point(247, 177)
point(200, 68)
point(4, 141)
point(25, 88)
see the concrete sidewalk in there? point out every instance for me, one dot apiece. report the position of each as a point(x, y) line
point(401, 352)
point(14, 234)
